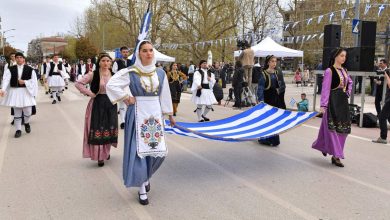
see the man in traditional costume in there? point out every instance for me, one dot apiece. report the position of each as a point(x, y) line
point(149, 99)
point(54, 76)
point(202, 91)
point(44, 66)
point(80, 69)
point(90, 67)
point(119, 64)
point(20, 87)
point(67, 72)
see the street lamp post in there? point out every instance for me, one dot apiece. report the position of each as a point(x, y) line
point(3, 38)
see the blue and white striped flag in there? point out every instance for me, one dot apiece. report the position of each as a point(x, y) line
point(261, 121)
point(143, 32)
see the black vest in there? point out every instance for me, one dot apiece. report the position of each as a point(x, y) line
point(204, 86)
point(336, 79)
point(59, 66)
point(26, 75)
point(95, 83)
point(44, 68)
point(79, 69)
point(121, 64)
point(267, 78)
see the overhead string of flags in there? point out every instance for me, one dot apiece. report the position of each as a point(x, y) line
point(341, 14)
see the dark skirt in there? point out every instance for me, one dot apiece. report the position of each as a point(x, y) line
point(271, 97)
point(104, 122)
point(338, 112)
point(175, 88)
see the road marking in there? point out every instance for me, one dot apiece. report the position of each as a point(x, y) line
point(261, 191)
point(351, 179)
point(139, 210)
point(350, 135)
point(4, 144)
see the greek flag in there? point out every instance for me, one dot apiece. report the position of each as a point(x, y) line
point(143, 32)
point(259, 122)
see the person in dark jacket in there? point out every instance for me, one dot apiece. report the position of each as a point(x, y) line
point(238, 79)
point(256, 71)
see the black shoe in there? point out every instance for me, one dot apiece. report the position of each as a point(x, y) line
point(206, 119)
point(12, 122)
point(18, 133)
point(59, 98)
point(337, 162)
point(147, 187)
point(325, 154)
point(66, 87)
point(27, 128)
point(46, 93)
point(101, 163)
point(174, 114)
point(122, 125)
point(51, 96)
point(201, 120)
point(142, 201)
point(54, 102)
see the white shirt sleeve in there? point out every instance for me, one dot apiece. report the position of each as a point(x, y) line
point(116, 86)
point(32, 84)
point(6, 80)
point(165, 98)
point(212, 81)
point(115, 67)
point(196, 81)
point(93, 67)
point(47, 70)
point(6, 66)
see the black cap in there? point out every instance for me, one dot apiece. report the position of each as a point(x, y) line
point(19, 54)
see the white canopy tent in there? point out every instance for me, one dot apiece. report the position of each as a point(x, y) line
point(160, 57)
point(270, 47)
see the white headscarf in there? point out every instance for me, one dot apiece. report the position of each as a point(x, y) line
point(138, 63)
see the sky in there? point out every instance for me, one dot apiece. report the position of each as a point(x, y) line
point(34, 18)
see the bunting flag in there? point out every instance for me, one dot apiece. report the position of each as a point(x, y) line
point(320, 19)
point(367, 9)
point(314, 36)
point(309, 21)
point(287, 26)
point(143, 32)
point(331, 17)
point(259, 122)
point(380, 9)
point(343, 13)
point(295, 24)
point(321, 35)
point(303, 38)
point(297, 39)
point(308, 38)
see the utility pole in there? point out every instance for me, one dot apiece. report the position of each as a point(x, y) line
point(356, 36)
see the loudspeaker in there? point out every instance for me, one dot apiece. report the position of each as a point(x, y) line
point(367, 35)
point(332, 35)
point(326, 55)
point(369, 120)
point(360, 59)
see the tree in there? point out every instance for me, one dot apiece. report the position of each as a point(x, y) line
point(8, 50)
point(84, 48)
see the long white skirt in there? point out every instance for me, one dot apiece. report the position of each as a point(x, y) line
point(206, 98)
point(19, 98)
point(56, 81)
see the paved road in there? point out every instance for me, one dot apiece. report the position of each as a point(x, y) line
point(42, 174)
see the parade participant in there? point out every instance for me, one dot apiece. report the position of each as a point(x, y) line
point(336, 123)
point(379, 80)
point(147, 84)
point(268, 92)
point(67, 72)
point(247, 59)
point(202, 91)
point(44, 66)
point(237, 83)
point(101, 120)
point(175, 79)
point(20, 87)
point(118, 65)
point(54, 76)
point(81, 69)
point(89, 67)
point(11, 62)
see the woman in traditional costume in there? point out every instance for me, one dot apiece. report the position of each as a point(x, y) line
point(148, 100)
point(101, 119)
point(175, 79)
point(336, 123)
point(268, 92)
